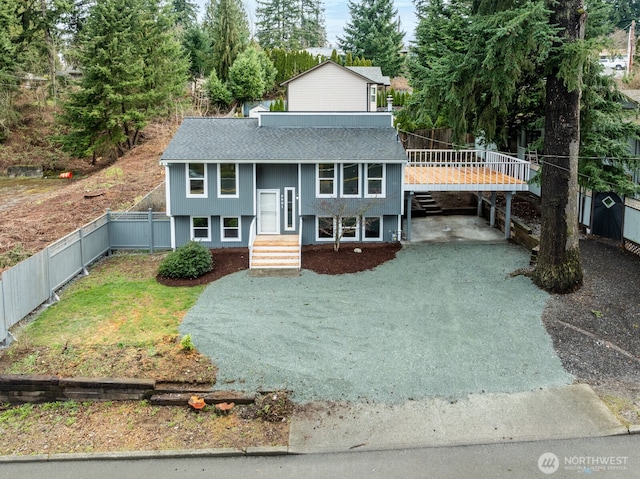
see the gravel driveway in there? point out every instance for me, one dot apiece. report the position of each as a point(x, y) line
point(439, 320)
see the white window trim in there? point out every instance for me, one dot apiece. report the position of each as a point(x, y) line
point(364, 227)
point(219, 178)
point(342, 194)
point(374, 96)
point(231, 240)
point(193, 237)
point(366, 182)
point(205, 182)
point(318, 238)
point(293, 209)
point(356, 228)
point(335, 182)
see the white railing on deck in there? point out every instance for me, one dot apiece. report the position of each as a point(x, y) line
point(457, 164)
point(252, 239)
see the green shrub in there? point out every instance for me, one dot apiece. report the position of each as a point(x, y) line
point(186, 343)
point(189, 261)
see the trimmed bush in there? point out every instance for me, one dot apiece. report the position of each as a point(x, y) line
point(188, 261)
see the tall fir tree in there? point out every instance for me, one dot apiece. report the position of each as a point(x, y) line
point(185, 13)
point(374, 33)
point(290, 24)
point(8, 66)
point(227, 25)
point(502, 66)
point(133, 69)
point(197, 45)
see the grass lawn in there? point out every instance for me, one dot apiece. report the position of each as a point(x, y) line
point(117, 321)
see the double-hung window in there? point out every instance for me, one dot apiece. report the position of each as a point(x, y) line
point(230, 230)
point(326, 180)
point(196, 180)
point(351, 180)
point(375, 180)
point(349, 228)
point(228, 180)
point(200, 230)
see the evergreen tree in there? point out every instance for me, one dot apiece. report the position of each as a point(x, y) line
point(622, 12)
point(133, 68)
point(290, 24)
point(228, 28)
point(374, 33)
point(197, 45)
point(8, 67)
point(251, 75)
point(558, 268)
point(217, 91)
point(312, 31)
point(185, 13)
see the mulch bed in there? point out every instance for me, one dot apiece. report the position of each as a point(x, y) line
point(319, 258)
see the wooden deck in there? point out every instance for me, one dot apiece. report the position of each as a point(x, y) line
point(464, 170)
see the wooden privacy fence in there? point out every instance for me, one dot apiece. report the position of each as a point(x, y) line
point(34, 281)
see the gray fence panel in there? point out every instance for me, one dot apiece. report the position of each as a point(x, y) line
point(25, 287)
point(3, 319)
point(162, 234)
point(65, 259)
point(95, 239)
point(632, 224)
point(134, 230)
point(129, 234)
point(586, 216)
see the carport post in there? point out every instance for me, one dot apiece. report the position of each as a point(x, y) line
point(492, 215)
point(410, 194)
point(507, 215)
point(479, 212)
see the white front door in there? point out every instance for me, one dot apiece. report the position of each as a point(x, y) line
point(268, 212)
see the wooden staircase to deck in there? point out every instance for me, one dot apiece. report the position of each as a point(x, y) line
point(276, 251)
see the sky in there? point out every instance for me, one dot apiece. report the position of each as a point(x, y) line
point(337, 16)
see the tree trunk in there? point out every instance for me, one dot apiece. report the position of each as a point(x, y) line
point(559, 268)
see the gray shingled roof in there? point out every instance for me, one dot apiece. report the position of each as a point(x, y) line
point(241, 140)
point(372, 73)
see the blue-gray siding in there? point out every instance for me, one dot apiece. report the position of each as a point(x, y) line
point(181, 205)
point(314, 120)
point(391, 204)
point(183, 234)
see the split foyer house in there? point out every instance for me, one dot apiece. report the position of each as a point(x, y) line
point(329, 166)
point(234, 181)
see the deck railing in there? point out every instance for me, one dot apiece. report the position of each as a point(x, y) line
point(467, 169)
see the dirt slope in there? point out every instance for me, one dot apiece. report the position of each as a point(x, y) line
point(38, 221)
